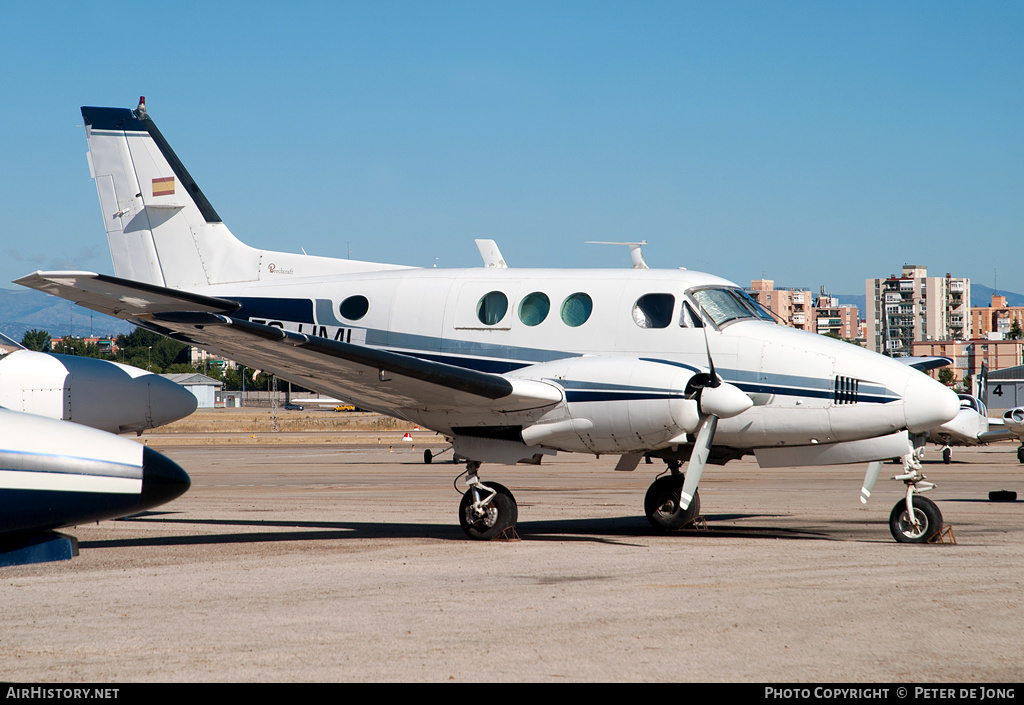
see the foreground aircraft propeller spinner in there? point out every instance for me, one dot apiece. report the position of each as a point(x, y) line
point(509, 364)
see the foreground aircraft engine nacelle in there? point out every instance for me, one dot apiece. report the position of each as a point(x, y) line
point(619, 405)
point(98, 393)
point(55, 473)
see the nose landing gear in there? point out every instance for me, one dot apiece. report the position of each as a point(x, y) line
point(915, 519)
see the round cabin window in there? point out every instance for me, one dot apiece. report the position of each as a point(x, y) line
point(576, 309)
point(534, 308)
point(354, 307)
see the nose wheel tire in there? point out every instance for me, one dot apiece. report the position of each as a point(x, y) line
point(498, 515)
point(661, 505)
point(929, 521)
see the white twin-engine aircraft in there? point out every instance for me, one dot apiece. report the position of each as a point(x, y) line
point(509, 364)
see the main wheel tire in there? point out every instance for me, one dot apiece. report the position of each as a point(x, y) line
point(947, 456)
point(500, 514)
point(928, 515)
point(1020, 454)
point(661, 505)
point(428, 457)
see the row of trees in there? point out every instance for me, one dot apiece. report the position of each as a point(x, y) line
point(148, 351)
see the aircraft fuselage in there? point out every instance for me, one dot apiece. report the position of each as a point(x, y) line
point(814, 388)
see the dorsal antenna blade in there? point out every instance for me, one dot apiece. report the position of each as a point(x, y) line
point(636, 255)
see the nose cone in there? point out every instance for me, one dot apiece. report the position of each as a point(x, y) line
point(169, 401)
point(162, 479)
point(928, 404)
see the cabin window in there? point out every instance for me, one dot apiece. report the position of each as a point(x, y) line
point(492, 308)
point(354, 307)
point(534, 308)
point(654, 310)
point(576, 309)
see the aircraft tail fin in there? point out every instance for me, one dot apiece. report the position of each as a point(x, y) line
point(161, 228)
point(982, 381)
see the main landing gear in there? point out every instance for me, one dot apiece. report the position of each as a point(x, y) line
point(662, 504)
point(487, 511)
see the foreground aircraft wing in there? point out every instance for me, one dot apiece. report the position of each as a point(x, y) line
point(372, 378)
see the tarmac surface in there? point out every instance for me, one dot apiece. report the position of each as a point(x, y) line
point(308, 562)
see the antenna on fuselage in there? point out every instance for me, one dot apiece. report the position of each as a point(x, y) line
point(635, 253)
point(491, 254)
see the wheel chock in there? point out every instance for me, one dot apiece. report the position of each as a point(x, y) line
point(945, 535)
point(508, 534)
point(1002, 496)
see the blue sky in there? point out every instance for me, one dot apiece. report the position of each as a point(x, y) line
point(815, 143)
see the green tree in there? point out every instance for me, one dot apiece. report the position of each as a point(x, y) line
point(1016, 332)
point(147, 350)
point(946, 376)
point(38, 340)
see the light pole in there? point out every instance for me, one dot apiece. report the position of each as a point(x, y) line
point(149, 364)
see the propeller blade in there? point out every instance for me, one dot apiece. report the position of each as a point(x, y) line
point(869, 480)
point(698, 459)
point(628, 462)
point(711, 363)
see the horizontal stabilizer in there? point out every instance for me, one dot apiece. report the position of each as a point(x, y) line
point(121, 298)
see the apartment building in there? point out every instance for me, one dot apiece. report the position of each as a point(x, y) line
point(996, 321)
point(833, 318)
point(794, 307)
point(915, 307)
point(969, 355)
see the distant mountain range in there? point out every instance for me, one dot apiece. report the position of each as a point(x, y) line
point(25, 309)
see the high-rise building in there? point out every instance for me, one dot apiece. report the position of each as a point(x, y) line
point(914, 306)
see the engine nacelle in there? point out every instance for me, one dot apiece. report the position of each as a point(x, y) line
point(98, 393)
point(614, 405)
point(1014, 421)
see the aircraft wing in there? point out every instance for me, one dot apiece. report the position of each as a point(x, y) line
point(370, 377)
point(925, 363)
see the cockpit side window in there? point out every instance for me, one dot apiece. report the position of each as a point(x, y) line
point(688, 318)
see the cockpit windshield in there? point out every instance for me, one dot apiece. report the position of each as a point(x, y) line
point(969, 402)
point(729, 304)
